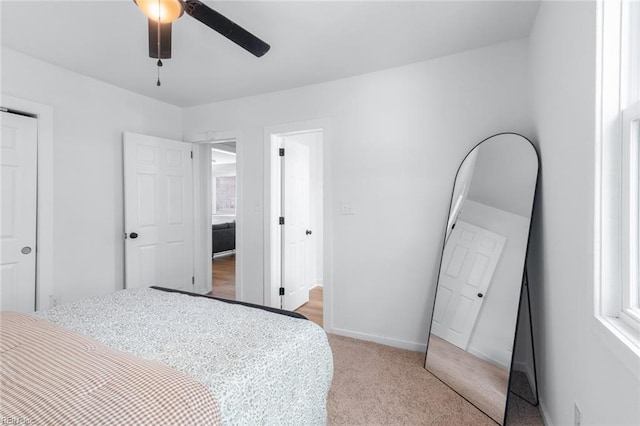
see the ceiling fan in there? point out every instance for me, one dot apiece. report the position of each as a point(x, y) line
point(162, 13)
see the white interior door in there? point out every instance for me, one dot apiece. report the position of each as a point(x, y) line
point(158, 189)
point(18, 163)
point(295, 251)
point(468, 262)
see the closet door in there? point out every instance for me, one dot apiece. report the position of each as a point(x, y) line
point(18, 177)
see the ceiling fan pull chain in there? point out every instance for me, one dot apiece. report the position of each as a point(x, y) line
point(159, 63)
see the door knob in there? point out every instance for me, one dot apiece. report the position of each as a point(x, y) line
point(308, 232)
point(133, 235)
point(26, 250)
point(480, 295)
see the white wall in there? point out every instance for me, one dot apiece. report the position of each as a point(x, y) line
point(89, 118)
point(505, 168)
point(397, 139)
point(574, 363)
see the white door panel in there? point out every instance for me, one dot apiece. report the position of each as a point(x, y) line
point(158, 177)
point(469, 260)
point(18, 174)
point(297, 217)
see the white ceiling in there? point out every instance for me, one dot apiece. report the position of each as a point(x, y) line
point(311, 42)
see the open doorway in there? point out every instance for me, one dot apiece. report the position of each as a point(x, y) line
point(296, 217)
point(223, 218)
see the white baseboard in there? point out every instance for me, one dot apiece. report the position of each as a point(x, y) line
point(401, 344)
point(544, 414)
point(316, 283)
point(224, 253)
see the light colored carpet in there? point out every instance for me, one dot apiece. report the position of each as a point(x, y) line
point(379, 385)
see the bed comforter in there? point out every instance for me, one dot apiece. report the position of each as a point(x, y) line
point(52, 375)
point(261, 367)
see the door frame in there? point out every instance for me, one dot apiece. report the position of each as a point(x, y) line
point(271, 231)
point(202, 185)
point(45, 296)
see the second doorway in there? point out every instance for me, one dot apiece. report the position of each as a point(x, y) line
point(223, 218)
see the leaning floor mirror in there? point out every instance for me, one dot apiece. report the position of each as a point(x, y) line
point(475, 314)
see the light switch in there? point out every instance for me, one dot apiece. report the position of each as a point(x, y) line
point(346, 208)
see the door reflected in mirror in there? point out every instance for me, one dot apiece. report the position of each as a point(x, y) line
point(473, 325)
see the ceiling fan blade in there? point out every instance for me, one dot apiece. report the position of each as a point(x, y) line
point(165, 40)
point(226, 27)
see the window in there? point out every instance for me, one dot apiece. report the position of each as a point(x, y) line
point(630, 119)
point(617, 172)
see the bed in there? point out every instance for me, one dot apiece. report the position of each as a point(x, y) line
point(262, 366)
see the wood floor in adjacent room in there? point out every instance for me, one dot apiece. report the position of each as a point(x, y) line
point(313, 308)
point(223, 276)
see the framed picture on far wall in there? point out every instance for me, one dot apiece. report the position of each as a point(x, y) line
point(225, 195)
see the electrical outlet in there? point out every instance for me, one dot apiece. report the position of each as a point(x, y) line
point(577, 416)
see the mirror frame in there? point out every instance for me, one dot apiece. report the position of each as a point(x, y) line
point(524, 285)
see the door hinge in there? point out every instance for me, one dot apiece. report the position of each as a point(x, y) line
point(192, 155)
point(281, 220)
point(281, 292)
point(193, 280)
point(281, 152)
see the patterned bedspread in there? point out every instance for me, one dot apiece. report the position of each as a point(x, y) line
point(262, 368)
point(52, 375)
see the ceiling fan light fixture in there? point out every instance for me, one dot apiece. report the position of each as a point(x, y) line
point(163, 11)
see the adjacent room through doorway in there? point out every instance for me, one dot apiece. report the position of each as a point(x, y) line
point(223, 219)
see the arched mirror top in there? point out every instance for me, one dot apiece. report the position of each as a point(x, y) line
point(495, 173)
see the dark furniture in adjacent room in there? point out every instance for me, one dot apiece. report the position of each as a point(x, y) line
point(223, 236)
